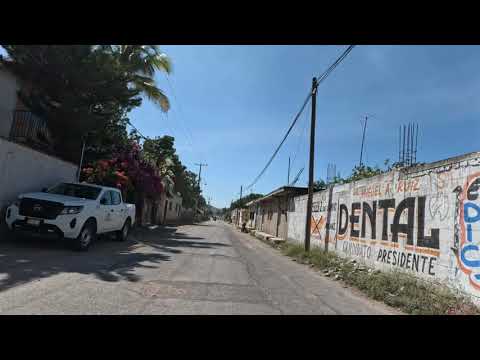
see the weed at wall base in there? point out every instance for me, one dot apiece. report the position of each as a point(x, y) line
point(395, 288)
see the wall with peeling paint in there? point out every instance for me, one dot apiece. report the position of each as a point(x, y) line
point(424, 220)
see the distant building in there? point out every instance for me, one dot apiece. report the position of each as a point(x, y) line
point(270, 212)
point(165, 208)
point(27, 161)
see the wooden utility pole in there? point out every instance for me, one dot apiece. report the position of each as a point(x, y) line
point(200, 173)
point(199, 184)
point(311, 167)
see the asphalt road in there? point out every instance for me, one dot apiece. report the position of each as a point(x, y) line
point(208, 268)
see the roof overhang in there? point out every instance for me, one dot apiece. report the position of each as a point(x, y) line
point(280, 192)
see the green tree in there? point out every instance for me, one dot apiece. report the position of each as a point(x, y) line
point(319, 185)
point(86, 89)
point(161, 152)
point(363, 172)
point(140, 63)
point(245, 200)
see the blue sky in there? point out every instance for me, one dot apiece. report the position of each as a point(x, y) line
point(233, 104)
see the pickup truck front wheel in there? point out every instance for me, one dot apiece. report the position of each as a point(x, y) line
point(86, 237)
point(122, 235)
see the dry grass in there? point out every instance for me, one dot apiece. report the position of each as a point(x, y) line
point(397, 289)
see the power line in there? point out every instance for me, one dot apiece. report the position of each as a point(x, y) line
point(321, 78)
point(327, 72)
point(138, 131)
point(300, 138)
point(283, 140)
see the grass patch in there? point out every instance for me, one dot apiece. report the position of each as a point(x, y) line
point(397, 289)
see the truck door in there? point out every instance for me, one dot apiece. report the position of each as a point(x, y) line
point(119, 211)
point(106, 213)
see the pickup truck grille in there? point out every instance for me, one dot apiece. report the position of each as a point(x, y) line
point(40, 208)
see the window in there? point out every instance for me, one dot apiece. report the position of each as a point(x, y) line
point(106, 198)
point(76, 190)
point(116, 199)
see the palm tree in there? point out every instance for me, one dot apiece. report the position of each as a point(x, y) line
point(140, 63)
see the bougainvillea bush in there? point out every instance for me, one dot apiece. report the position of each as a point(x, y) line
point(127, 171)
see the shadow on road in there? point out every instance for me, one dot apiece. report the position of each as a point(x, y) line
point(167, 239)
point(30, 259)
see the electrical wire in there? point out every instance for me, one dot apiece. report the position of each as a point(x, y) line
point(320, 79)
point(300, 138)
point(332, 67)
point(283, 140)
point(138, 131)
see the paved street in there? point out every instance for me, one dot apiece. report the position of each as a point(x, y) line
point(193, 269)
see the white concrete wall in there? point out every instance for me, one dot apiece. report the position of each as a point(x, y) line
point(8, 101)
point(444, 196)
point(23, 170)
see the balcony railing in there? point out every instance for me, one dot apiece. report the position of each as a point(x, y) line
point(29, 129)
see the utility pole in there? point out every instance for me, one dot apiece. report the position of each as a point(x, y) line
point(200, 173)
point(288, 177)
point(199, 184)
point(239, 205)
point(363, 139)
point(312, 159)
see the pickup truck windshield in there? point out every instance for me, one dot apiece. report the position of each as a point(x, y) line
point(75, 190)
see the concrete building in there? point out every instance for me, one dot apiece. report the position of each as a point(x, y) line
point(165, 208)
point(251, 214)
point(172, 208)
point(25, 164)
point(271, 211)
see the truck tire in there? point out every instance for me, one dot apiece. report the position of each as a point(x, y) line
point(122, 235)
point(86, 237)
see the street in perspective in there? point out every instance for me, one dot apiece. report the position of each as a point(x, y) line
point(239, 180)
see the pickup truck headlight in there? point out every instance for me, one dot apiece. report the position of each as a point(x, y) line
point(71, 210)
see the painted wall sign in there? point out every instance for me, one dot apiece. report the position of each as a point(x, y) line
point(425, 221)
point(469, 252)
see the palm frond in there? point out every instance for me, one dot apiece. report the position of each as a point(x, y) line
point(153, 93)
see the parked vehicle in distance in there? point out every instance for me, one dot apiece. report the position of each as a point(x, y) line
point(77, 212)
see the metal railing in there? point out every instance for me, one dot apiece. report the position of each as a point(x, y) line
point(30, 129)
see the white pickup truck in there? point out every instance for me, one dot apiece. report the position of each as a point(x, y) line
point(77, 212)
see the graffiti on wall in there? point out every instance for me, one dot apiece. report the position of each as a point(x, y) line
point(383, 222)
point(356, 249)
point(468, 254)
point(319, 222)
point(362, 212)
point(317, 225)
point(424, 220)
point(386, 188)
